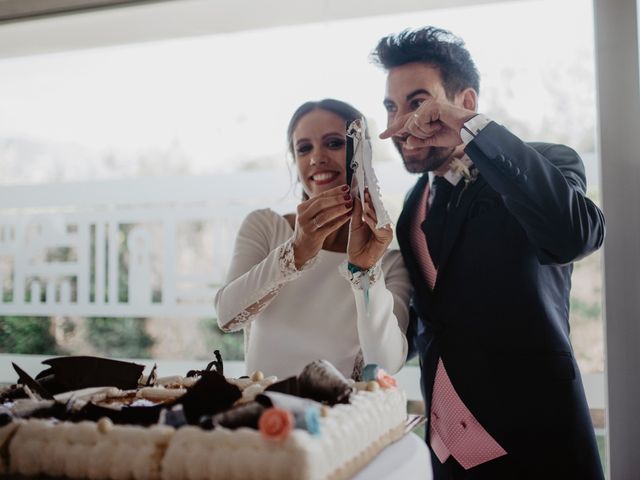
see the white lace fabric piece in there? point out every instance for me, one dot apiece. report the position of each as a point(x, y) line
point(286, 260)
point(243, 318)
point(363, 170)
point(357, 279)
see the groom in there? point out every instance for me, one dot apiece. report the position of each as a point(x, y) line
point(489, 242)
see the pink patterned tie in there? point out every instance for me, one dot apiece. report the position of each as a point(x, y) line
point(454, 430)
point(419, 241)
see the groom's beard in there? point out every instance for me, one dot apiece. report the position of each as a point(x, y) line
point(425, 159)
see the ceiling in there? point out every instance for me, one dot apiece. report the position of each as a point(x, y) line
point(33, 26)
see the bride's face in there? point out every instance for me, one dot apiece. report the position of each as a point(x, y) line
point(319, 146)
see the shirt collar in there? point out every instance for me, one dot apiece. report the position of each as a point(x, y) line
point(453, 175)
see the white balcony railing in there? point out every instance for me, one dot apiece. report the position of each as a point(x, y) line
point(138, 247)
point(145, 247)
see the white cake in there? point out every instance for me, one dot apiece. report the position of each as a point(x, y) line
point(348, 437)
point(88, 449)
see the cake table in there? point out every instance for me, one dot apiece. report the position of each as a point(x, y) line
point(406, 459)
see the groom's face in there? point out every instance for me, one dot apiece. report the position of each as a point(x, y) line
point(407, 87)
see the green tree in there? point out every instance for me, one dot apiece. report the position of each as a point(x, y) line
point(27, 335)
point(231, 345)
point(120, 337)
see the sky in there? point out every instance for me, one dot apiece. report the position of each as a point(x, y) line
point(222, 100)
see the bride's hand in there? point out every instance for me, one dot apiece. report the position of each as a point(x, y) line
point(316, 219)
point(367, 243)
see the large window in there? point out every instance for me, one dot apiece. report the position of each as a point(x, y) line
point(215, 109)
point(127, 170)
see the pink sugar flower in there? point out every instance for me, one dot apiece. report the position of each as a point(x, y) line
point(275, 423)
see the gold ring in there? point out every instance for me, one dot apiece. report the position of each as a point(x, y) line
point(315, 222)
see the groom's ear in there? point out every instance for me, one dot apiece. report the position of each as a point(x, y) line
point(468, 99)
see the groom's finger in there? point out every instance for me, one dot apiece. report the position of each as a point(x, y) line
point(396, 126)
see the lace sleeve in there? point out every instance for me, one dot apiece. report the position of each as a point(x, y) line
point(287, 260)
point(245, 316)
point(359, 279)
point(382, 298)
point(286, 271)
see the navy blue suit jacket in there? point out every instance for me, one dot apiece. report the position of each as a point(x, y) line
point(499, 313)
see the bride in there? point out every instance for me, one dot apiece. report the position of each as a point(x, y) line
point(295, 284)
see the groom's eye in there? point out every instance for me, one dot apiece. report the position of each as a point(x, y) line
point(415, 103)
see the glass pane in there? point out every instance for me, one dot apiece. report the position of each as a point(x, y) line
point(177, 140)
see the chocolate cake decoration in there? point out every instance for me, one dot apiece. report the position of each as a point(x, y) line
point(77, 372)
point(143, 416)
point(59, 410)
point(13, 392)
point(218, 363)
point(153, 376)
point(246, 415)
point(25, 378)
point(323, 382)
point(288, 385)
point(174, 417)
point(210, 395)
point(5, 417)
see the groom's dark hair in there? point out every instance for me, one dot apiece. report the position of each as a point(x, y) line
point(434, 46)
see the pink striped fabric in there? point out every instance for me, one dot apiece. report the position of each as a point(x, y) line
point(419, 241)
point(454, 429)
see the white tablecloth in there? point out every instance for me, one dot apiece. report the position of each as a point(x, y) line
point(406, 459)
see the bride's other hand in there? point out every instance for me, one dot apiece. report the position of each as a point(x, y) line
point(316, 219)
point(367, 243)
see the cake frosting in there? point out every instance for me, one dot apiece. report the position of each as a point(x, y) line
point(88, 449)
point(318, 425)
point(351, 435)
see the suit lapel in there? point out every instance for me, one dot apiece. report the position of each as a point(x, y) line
point(461, 199)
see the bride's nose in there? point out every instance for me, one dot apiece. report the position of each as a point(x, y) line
point(319, 159)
